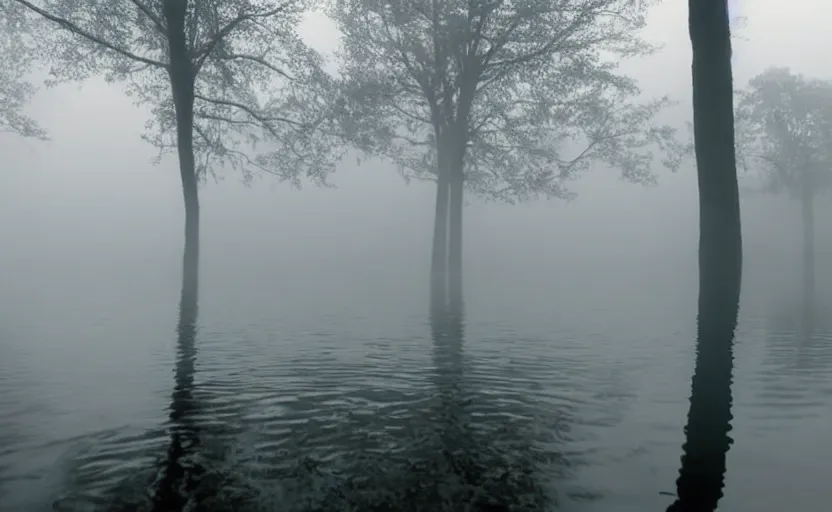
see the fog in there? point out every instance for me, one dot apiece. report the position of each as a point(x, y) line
point(91, 197)
point(91, 264)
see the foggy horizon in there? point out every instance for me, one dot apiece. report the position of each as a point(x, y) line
point(604, 285)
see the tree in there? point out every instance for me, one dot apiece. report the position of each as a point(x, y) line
point(785, 126)
point(510, 99)
point(220, 76)
point(15, 62)
point(701, 477)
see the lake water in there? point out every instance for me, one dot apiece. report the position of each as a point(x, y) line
point(341, 397)
point(318, 380)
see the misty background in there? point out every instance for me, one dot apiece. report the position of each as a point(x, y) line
point(596, 297)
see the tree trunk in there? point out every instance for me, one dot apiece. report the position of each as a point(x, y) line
point(808, 217)
point(179, 473)
point(439, 254)
point(458, 142)
point(455, 295)
point(182, 87)
point(701, 477)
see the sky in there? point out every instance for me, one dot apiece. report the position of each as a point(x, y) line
point(91, 197)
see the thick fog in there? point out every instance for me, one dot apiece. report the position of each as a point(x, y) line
point(91, 202)
point(87, 220)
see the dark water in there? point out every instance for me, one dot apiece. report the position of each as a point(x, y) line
point(574, 401)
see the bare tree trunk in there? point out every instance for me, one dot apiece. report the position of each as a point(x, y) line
point(808, 217)
point(458, 144)
point(701, 477)
point(182, 86)
point(179, 473)
point(439, 254)
point(455, 294)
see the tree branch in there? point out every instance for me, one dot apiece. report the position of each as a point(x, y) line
point(75, 29)
point(153, 17)
point(206, 50)
point(262, 119)
point(259, 60)
point(548, 48)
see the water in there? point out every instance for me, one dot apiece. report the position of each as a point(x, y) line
point(573, 402)
point(315, 363)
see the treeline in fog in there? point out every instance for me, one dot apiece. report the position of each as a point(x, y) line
point(504, 100)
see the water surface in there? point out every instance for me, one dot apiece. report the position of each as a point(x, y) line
point(574, 401)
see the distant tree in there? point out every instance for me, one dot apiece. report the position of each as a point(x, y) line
point(784, 131)
point(510, 99)
point(15, 63)
point(220, 76)
point(702, 475)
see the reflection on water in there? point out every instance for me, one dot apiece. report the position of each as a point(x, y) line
point(316, 432)
point(417, 415)
point(486, 448)
point(794, 383)
point(701, 478)
point(181, 470)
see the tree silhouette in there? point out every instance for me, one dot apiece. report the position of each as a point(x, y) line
point(784, 123)
point(701, 477)
point(509, 99)
point(220, 77)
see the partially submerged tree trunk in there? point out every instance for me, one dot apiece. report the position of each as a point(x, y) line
point(701, 478)
point(182, 85)
point(448, 226)
point(458, 143)
point(457, 182)
point(808, 221)
point(439, 254)
point(179, 473)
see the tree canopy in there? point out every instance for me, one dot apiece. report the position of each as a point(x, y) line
point(16, 56)
point(784, 126)
point(531, 86)
point(255, 81)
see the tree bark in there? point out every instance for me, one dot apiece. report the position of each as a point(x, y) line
point(181, 74)
point(701, 477)
point(458, 143)
point(439, 254)
point(455, 293)
point(808, 218)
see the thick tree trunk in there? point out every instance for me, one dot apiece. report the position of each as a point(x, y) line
point(179, 472)
point(439, 253)
point(701, 478)
point(808, 218)
point(455, 294)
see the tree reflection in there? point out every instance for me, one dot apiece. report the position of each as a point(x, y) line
point(180, 475)
point(488, 459)
point(797, 346)
point(447, 332)
point(701, 478)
